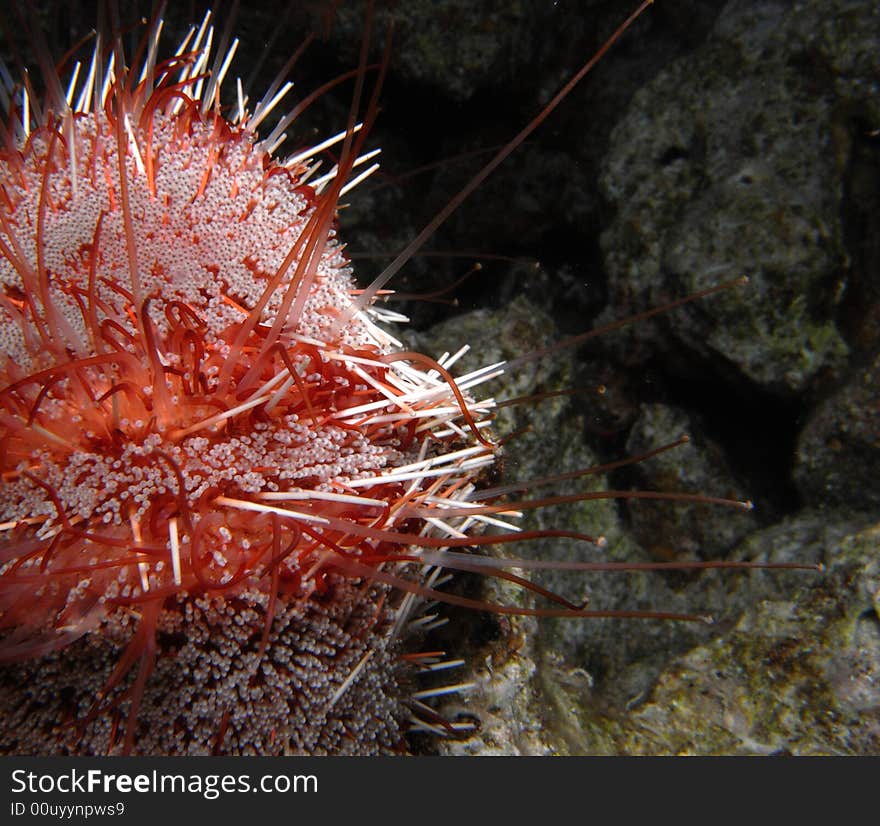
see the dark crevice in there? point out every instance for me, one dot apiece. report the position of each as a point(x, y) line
point(858, 316)
point(757, 430)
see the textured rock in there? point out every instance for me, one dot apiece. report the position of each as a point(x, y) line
point(672, 530)
point(797, 675)
point(728, 164)
point(838, 451)
point(610, 686)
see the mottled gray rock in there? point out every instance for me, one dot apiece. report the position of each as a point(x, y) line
point(456, 46)
point(797, 675)
point(736, 159)
point(794, 668)
point(728, 164)
point(673, 530)
point(622, 654)
point(586, 686)
point(838, 451)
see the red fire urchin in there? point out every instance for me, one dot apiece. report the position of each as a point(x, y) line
point(201, 425)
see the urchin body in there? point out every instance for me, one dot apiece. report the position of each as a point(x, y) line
point(201, 426)
point(213, 691)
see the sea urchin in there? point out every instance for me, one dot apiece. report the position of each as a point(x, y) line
point(202, 427)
